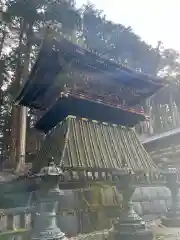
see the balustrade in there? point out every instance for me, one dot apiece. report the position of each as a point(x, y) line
point(16, 224)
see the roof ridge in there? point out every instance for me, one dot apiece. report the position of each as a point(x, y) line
point(65, 141)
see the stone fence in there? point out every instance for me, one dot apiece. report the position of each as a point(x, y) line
point(97, 211)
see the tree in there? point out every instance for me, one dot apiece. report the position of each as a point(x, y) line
point(26, 18)
point(116, 42)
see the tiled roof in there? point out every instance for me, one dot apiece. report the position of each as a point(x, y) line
point(91, 144)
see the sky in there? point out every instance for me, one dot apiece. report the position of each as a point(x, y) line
point(153, 20)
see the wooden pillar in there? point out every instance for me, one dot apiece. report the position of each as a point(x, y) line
point(21, 141)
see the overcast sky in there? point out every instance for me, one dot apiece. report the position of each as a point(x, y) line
point(153, 20)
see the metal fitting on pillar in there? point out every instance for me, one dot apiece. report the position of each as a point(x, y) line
point(45, 226)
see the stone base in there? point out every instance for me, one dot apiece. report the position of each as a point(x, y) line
point(139, 235)
point(130, 227)
point(170, 221)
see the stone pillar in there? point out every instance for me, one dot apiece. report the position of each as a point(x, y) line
point(45, 227)
point(129, 226)
point(172, 218)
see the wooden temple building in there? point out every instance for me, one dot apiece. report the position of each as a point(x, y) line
point(88, 107)
point(86, 104)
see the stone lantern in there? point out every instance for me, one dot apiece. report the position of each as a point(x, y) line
point(172, 218)
point(129, 225)
point(45, 227)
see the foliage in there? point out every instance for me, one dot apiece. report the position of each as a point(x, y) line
point(116, 41)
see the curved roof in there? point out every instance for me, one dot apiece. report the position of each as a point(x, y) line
point(79, 106)
point(56, 54)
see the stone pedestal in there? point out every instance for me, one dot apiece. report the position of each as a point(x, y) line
point(129, 226)
point(45, 227)
point(172, 218)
